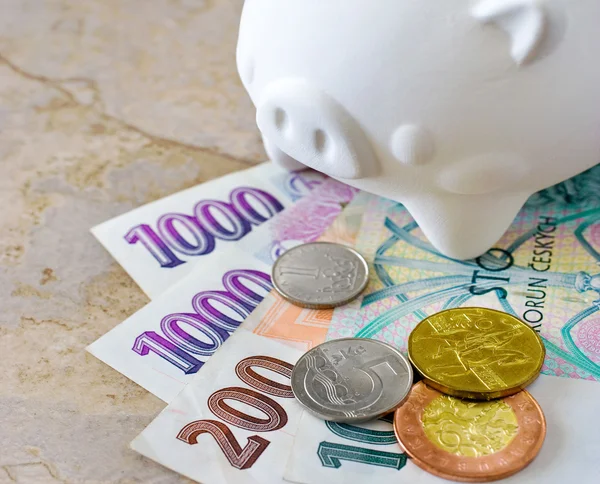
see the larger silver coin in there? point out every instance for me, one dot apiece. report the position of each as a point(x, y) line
point(351, 379)
point(320, 275)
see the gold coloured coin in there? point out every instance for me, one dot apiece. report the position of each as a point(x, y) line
point(476, 353)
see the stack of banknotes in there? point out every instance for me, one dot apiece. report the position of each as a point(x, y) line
point(204, 258)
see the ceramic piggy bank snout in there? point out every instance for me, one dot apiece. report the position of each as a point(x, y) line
point(459, 109)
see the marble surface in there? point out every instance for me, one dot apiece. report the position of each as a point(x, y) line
point(104, 105)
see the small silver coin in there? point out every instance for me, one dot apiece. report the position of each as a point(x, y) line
point(351, 379)
point(320, 275)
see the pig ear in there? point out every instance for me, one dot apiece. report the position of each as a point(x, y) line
point(523, 20)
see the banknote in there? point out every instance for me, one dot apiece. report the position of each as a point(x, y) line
point(235, 422)
point(346, 449)
point(159, 243)
point(164, 344)
point(366, 244)
point(545, 270)
point(338, 453)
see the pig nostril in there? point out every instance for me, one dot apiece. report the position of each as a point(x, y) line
point(281, 119)
point(320, 140)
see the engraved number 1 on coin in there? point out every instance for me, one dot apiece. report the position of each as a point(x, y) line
point(300, 271)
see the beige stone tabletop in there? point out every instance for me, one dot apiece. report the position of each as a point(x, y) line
point(104, 105)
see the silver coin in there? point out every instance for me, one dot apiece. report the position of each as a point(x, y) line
point(320, 275)
point(351, 379)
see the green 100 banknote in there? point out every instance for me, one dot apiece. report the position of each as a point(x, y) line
point(545, 270)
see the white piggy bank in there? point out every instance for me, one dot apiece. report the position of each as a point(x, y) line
point(458, 109)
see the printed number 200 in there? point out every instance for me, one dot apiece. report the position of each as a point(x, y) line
point(276, 417)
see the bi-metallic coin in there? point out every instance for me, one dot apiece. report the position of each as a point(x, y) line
point(468, 441)
point(351, 379)
point(320, 275)
point(476, 353)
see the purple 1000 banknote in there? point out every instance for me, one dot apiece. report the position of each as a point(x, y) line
point(161, 346)
point(159, 243)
